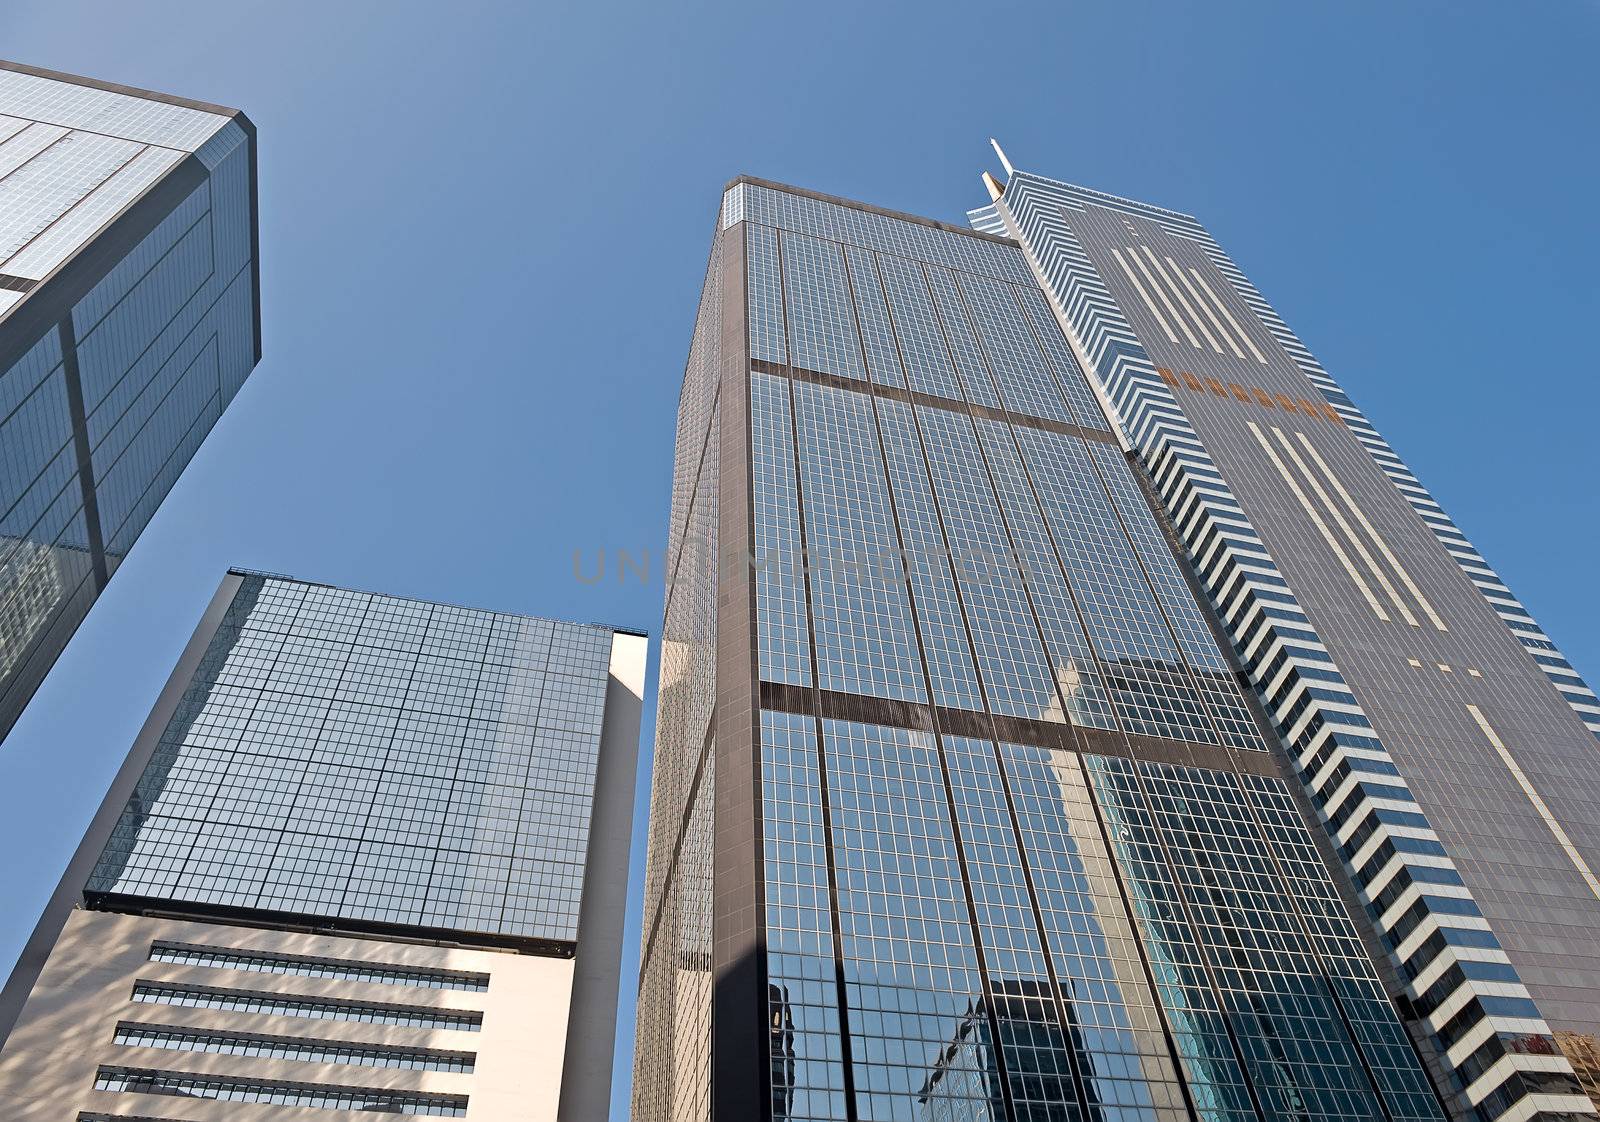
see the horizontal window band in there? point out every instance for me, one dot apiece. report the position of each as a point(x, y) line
point(310, 966)
point(134, 1034)
point(276, 919)
point(833, 704)
point(930, 401)
point(307, 1006)
point(192, 1085)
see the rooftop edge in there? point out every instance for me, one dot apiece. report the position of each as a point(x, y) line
point(868, 208)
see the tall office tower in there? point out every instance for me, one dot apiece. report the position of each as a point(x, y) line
point(1445, 743)
point(367, 854)
point(960, 809)
point(129, 318)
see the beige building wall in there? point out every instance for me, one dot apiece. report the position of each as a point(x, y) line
point(65, 1032)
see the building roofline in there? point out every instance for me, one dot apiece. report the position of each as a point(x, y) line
point(868, 208)
point(241, 571)
point(131, 91)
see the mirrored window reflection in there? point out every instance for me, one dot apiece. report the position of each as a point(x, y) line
point(861, 615)
point(1124, 1057)
point(952, 672)
point(1147, 677)
point(1200, 1031)
point(1016, 672)
point(1208, 668)
point(803, 1006)
point(1223, 869)
point(346, 754)
point(1072, 658)
point(1036, 1041)
point(916, 325)
point(783, 648)
point(920, 1042)
point(822, 326)
point(764, 294)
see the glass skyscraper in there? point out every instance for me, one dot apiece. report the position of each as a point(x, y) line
point(405, 821)
point(129, 318)
point(1001, 773)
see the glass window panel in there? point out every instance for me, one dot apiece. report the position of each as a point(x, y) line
point(862, 622)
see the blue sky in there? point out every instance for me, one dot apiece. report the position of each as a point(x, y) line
point(484, 228)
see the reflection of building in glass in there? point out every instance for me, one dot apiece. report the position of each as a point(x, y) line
point(1000, 840)
point(403, 820)
point(129, 318)
point(34, 578)
point(1435, 730)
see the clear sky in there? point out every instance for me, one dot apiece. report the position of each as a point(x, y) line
point(483, 230)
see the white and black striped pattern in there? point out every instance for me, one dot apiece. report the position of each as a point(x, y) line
point(1516, 617)
point(1323, 728)
point(1541, 649)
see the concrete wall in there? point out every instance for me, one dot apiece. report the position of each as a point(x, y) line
point(47, 1068)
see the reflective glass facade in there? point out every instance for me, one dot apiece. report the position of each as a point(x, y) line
point(1442, 742)
point(129, 319)
point(958, 792)
point(374, 759)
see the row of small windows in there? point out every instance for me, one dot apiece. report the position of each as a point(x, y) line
point(305, 966)
point(322, 1009)
point(277, 1092)
point(291, 1048)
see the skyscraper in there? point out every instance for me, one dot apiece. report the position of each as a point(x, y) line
point(1374, 633)
point(968, 785)
point(368, 853)
point(129, 317)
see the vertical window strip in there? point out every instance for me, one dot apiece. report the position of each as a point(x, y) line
point(782, 637)
point(865, 640)
point(1015, 668)
point(951, 669)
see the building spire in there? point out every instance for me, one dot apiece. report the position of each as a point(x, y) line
point(1005, 163)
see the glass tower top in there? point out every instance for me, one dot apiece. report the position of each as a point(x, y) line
point(374, 759)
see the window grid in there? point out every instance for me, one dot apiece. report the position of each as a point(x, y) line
point(1209, 669)
point(1015, 669)
point(1122, 1049)
point(1076, 670)
point(882, 233)
point(916, 326)
point(764, 288)
point(223, 1088)
point(861, 619)
point(975, 378)
point(872, 314)
point(1020, 995)
point(822, 329)
point(910, 966)
point(1152, 689)
point(319, 1009)
point(304, 1049)
point(373, 758)
point(1026, 380)
point(268, 962)
point(1069, 374)
point(803, 1005)
point(782, 640)
point(953, 674)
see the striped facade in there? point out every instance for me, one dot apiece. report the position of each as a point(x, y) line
point(1491, 1050)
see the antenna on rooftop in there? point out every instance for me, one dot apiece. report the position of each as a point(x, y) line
point(1001, 152)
